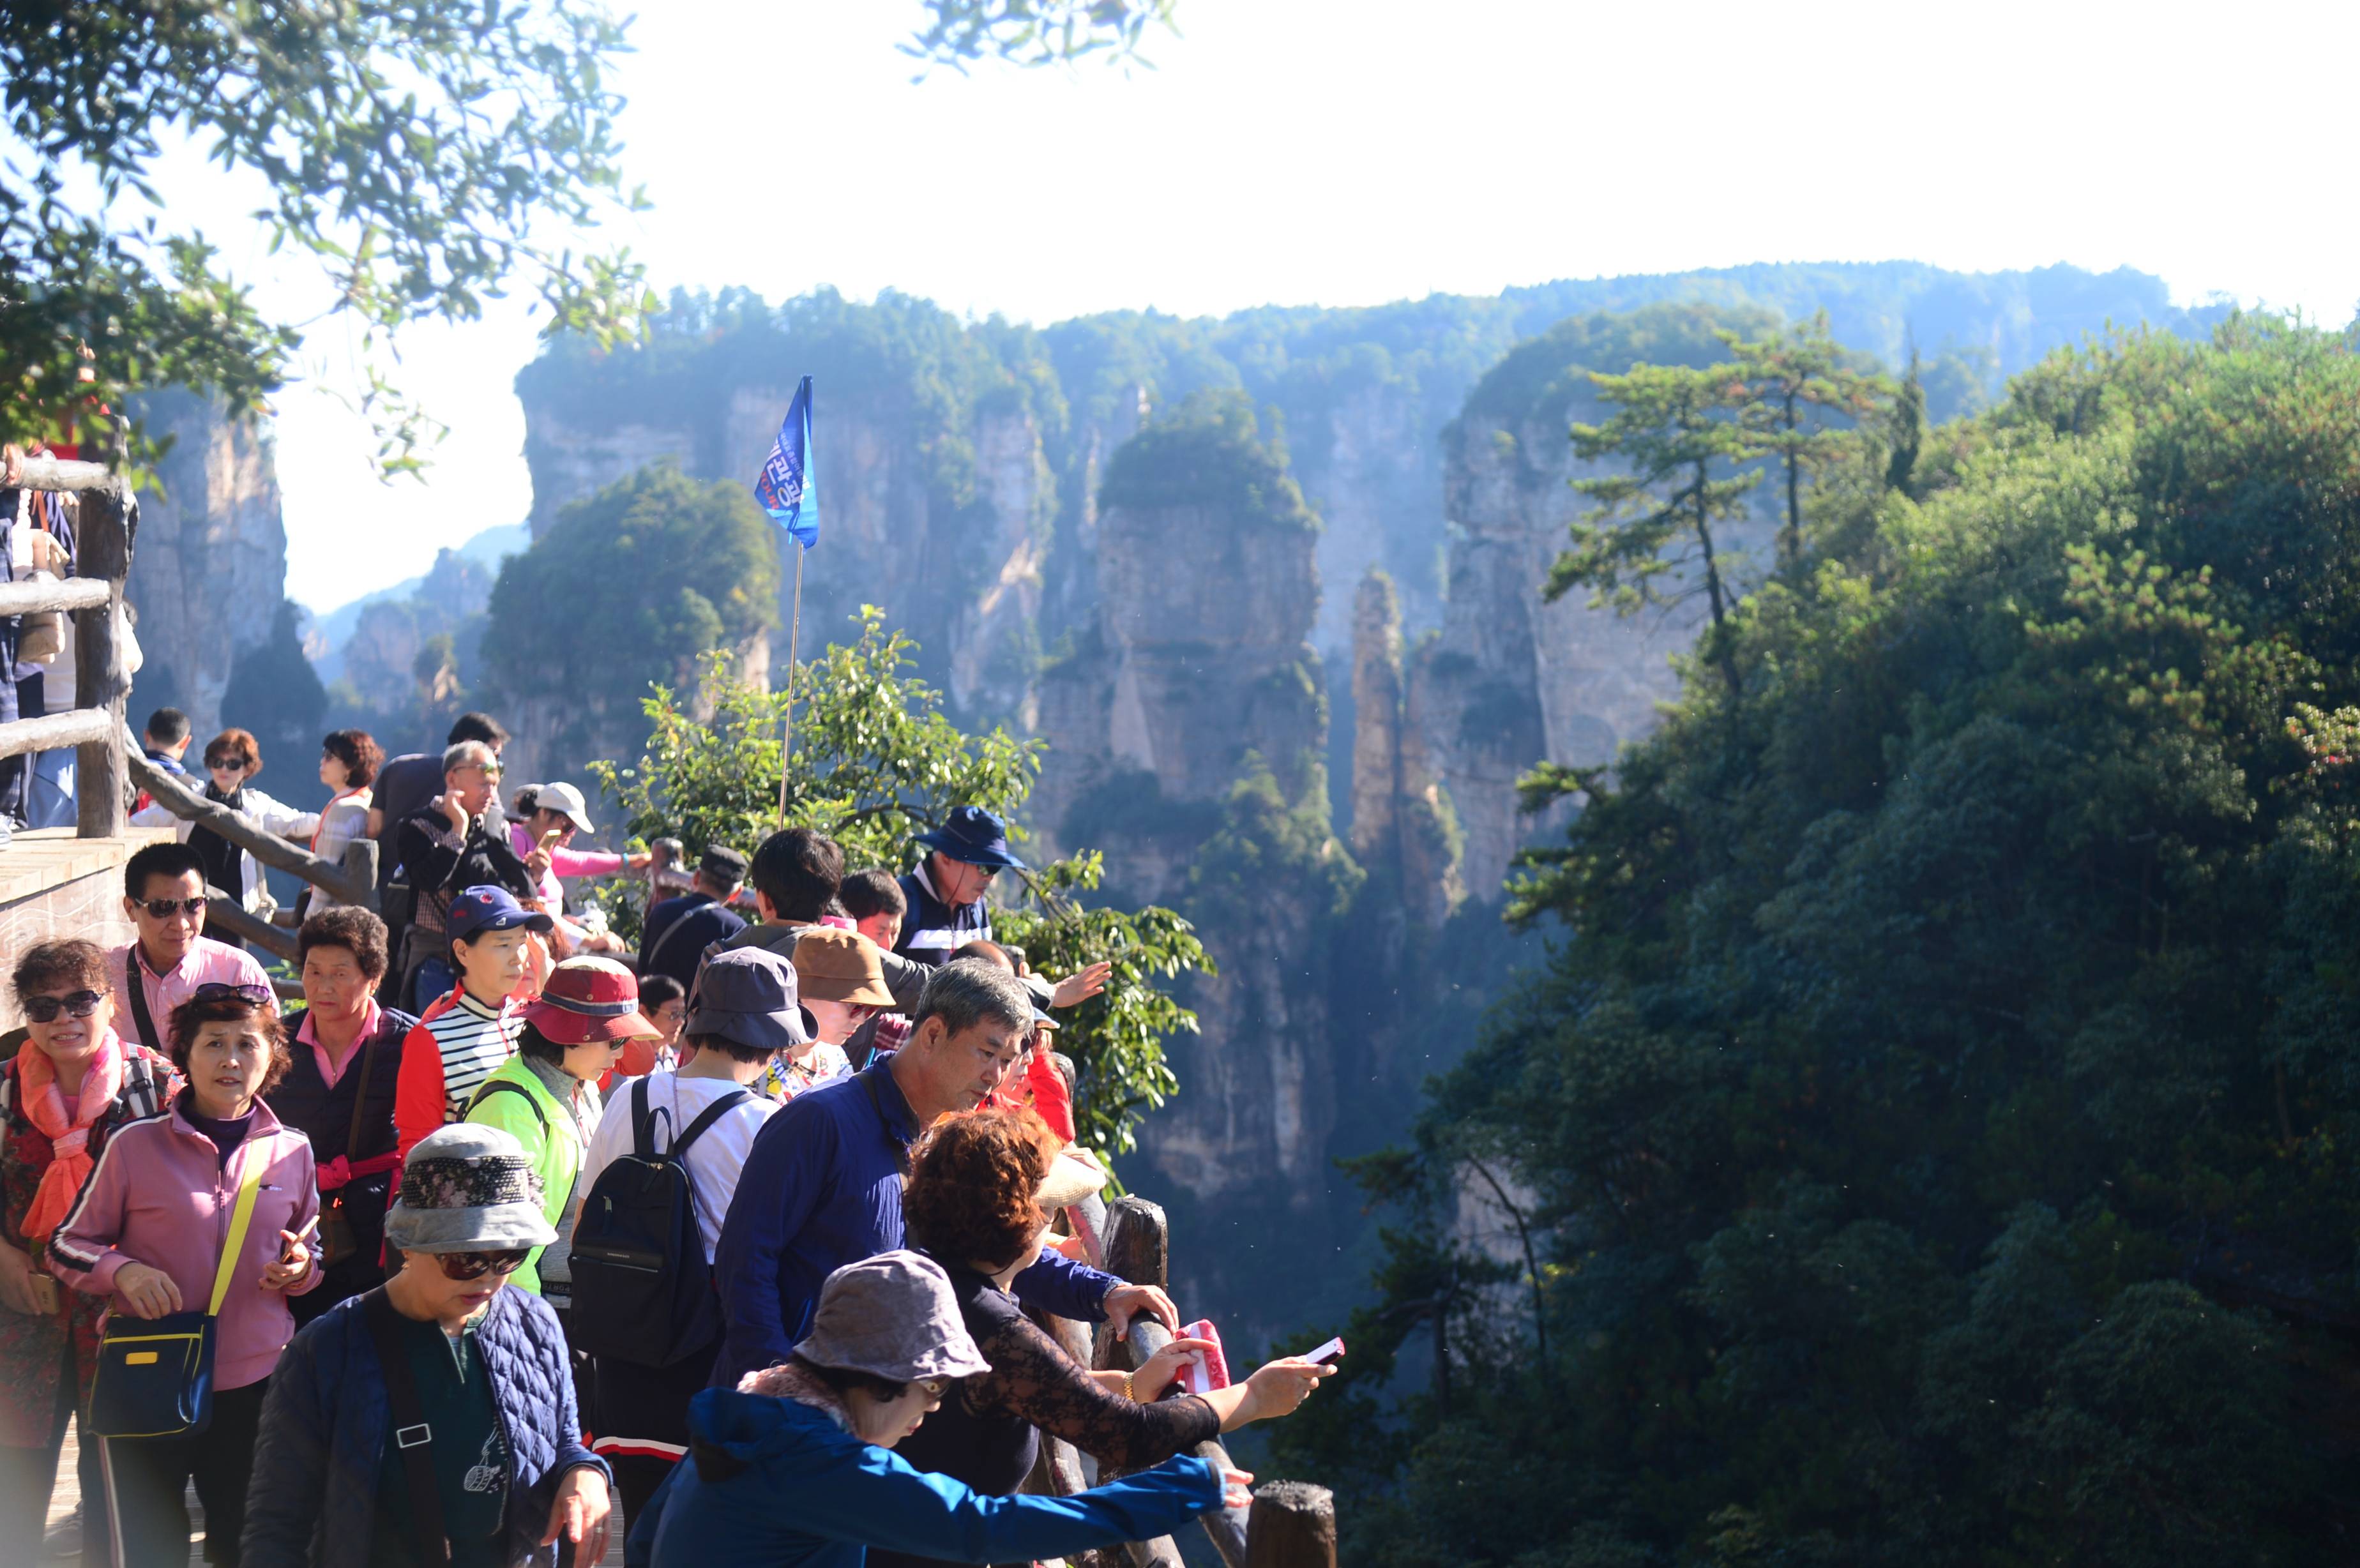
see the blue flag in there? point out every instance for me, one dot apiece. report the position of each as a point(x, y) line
point(787, 489)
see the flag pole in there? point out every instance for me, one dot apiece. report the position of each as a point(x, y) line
point(794, 634)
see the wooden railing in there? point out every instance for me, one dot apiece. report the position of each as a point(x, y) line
point(94, 597)
point(1290, 1524)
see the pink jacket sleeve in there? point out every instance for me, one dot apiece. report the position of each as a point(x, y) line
point(83, 1252)
point(583, 862)
point(307, 1206)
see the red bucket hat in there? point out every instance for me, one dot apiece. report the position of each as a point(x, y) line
point(590, 999)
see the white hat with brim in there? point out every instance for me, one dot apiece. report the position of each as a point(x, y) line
point(467, 1188)
point(1073, 1176)
point(566, 801)
point(892, 1316)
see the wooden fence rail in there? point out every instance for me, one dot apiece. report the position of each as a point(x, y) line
point(94, 597)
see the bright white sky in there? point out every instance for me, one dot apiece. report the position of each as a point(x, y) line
point(1345, 152)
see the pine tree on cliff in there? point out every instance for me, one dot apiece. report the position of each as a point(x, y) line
point(1650, 541)
point(1798, 386)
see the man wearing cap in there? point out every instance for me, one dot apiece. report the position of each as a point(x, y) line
point(489, 1466)
point(822, 1186)
point(466, 1034)
point(946, 892)
point(676, 932)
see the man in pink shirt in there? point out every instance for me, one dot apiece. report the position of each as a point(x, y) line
point(164, 886)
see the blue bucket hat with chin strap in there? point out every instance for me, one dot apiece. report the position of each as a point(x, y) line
point(976, 836)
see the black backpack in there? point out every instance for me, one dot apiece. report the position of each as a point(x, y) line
point(642, 1286)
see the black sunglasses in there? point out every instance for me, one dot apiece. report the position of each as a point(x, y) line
point(219, 991)
point(80, 1004)
point(165, 909)
point(461, 1267)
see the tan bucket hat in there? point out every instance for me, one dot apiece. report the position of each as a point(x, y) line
point(837, 965)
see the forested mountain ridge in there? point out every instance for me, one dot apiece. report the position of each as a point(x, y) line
point(1931, 1139)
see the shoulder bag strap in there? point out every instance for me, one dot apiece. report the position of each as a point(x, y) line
point(240, 1220)
point(503, 1087)
point(680, 923)
point(411, 1436)
point(136, 974)
point(360, 1098)
point(711, 1113)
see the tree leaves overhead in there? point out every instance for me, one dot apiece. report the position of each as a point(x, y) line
point(1935, 1131)
point(1036, 32)
point(423, 154)
point(875, 762)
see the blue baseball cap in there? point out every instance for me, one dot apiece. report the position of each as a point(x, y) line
point(488, 908)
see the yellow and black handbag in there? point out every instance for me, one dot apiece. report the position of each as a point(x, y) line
point(156, 1375)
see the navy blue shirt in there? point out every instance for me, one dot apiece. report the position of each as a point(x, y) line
point(932, 929)
point(822, 1188)
point(674, 937)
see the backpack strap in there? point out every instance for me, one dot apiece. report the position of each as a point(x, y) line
point(680, 923)
point(411, 1436)
point(241, 1220)
point(360, 1099)
point(711, 1113)
point(643, 1123)
point(499, 1086)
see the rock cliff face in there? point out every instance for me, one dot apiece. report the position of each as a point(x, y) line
point(209, 568)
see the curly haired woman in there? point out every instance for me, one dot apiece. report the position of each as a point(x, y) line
point(976, 1205)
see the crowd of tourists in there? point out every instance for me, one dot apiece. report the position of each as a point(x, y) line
point(505, 1236)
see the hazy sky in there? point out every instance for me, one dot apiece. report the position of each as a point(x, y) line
point(1346, 152)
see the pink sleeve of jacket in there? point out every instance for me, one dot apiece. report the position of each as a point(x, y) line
point(307, 1207)
point(83, 1252)
point(583, 862)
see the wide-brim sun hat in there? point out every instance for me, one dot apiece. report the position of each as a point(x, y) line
point(892, 1316)
point(567, 802)
point(750, 997)
point(467, 1188)
point(1073, 1176)
point(590, 999)
point(834, 966)
point(976, 836)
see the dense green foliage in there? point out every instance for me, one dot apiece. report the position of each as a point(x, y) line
point(1931, 1135)
point(408, 149)
point(634, 585)
point(872, 762)
point(1208, 454)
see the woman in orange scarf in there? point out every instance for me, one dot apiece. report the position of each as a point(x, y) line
point(73, 1084)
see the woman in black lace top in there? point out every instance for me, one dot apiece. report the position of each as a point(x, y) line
point(972, 1205)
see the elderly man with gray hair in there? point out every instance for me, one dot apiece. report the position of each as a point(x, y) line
point(822, 1185)
point(457, 842)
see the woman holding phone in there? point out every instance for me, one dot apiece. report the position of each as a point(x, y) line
point(147, 1236)
point(981, 1189)
point(72, 1086)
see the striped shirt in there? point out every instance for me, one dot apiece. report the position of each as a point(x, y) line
point(472, 1039)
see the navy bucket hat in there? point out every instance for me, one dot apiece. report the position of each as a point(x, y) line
point(975, 836)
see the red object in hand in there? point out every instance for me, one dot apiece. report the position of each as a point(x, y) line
point(1207, 1369)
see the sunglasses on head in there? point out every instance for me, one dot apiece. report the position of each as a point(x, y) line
point(165, 909)
point(80, 1004)
point(461, 1267)
point(220, 991)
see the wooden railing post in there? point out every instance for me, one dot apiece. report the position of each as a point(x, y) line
point(1293, 1526)
point(102, 546)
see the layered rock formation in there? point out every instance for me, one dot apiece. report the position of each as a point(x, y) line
point(209, 568)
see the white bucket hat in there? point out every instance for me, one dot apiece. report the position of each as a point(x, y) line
point(566, 801)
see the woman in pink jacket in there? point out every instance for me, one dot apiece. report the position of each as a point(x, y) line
point(546, 817)
point(146, 1231)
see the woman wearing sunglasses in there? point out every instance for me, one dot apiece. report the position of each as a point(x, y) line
point(147, 1236)
point(70, 1088)
point(473, 1442)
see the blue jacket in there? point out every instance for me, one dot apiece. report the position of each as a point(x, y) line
point(313, 1503)
point(776, 1483)
point(822, 1188)
point(932, 929)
